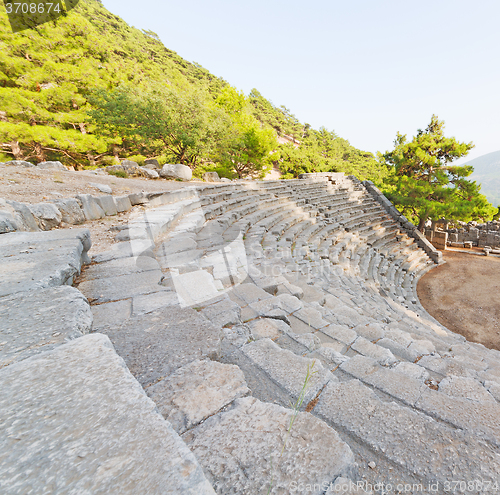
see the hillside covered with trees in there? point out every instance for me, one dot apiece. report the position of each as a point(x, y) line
point(487, 173)
point(89, 90)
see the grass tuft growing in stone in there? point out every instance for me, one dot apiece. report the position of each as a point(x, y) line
point(295, 412)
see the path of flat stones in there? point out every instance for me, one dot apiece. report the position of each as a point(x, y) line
point(172, 366)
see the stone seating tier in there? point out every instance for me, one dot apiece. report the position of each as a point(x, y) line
point(219, 300)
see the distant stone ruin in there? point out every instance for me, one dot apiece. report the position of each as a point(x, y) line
point(241, 338)
point(486, 236)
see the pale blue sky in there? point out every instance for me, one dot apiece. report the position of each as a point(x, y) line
point(365, 69)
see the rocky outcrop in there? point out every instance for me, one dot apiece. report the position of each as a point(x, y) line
point(176, 172)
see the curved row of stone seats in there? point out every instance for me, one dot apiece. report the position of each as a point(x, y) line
point(389, 379)
point(162, 340)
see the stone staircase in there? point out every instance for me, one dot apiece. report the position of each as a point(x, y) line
point(223, 301)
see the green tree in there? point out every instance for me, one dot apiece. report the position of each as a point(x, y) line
point(182, 125)
point(247, 147)
point(424, 183)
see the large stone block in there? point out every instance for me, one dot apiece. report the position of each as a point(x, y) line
point(101, 290)
point(176, 171)
point(25, 219)
point(41, 320)
point(247, 450)
point(107, 204)
point(74, 420)
point(47, 215)
point(91, 209)
point(197, 391)
point(19, 163)
point(33, 260)
point(70, 211)
point(149, 173)
point(52, 166)
point(420, 445)
point(122, 203)
point(154, 345)
point(287, 370)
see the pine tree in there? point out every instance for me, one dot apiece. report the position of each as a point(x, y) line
point(425, 184)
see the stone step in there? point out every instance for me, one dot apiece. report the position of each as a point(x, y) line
point(96, 420)
point(428, 449)
point(278, 375)
point(35, 260)
point(271, 450)
point(41, 320)
point(155, 344)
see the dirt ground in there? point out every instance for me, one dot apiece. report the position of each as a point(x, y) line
point(32, 185)
point(464, 295)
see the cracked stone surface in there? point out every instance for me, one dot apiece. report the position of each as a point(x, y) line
point(41, 320)
point(236, 448)
point(100, 433)
point(286, 369)
point(155, 344)
point(196, 391)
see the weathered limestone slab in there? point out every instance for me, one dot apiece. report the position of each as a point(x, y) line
point(41, 320)
point(311, 317)
point(74, 420)
point(122, 203)
point(370, 331)
point(290, 303)
point(154, 345)
point(245, 294)
point(222, 312)
point(268, 328)
point(115, 268)
point(195, 288)
point(366, 348)
point(47, 216)
point(91, 209)
point(240, 450)
point(70, 211)
point(19, 163)
point(146, 303)
point(412, 370)
point(8, 222)
point(31, 260)
point(52, 165)
point(122, 250)
point(107, 204)
point(412, 440)
point(466, 388)
point(349, 316)
point(396, 384)
point(176, 171)
point(25, 219)
point(480, 418)
point(111, 314)
point(287, 370)
point(197, 391)
point(101, 187)
point(342, 333)
point(103, 290)
point(176, 245)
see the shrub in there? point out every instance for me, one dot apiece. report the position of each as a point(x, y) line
point(139, 159)
point(118, 173)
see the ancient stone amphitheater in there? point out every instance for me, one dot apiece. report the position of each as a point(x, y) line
point(221, 311)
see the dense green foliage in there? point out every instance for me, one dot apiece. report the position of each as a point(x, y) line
point(324, 151)
point(425, 185)
point(88, 89)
